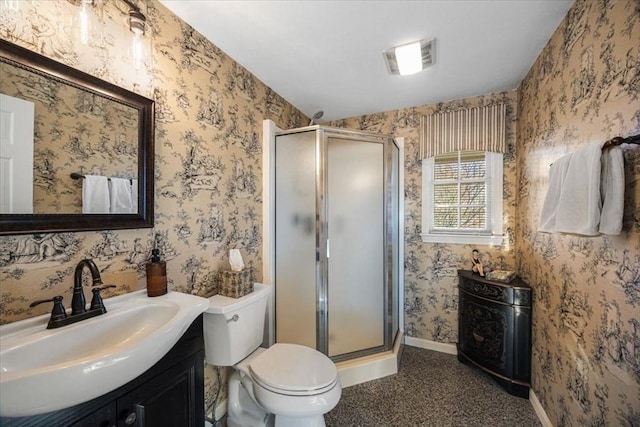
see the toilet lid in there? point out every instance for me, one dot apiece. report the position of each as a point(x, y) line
point(293, 367)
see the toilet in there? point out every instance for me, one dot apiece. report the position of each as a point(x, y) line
point(286, 385)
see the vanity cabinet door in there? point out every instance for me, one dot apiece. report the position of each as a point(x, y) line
point(173, 398)
point(103, 417)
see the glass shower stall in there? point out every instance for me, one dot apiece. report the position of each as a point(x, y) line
point(336, 240)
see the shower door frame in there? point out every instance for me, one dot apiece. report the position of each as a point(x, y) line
point(322, 135)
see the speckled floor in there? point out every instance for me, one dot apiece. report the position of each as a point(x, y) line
point(431, 389)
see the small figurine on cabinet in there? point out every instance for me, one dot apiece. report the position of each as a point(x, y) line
point(477, 265)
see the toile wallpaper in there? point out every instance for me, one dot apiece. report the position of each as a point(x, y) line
point(209, 113)
point(584, 87)
point(74, 131)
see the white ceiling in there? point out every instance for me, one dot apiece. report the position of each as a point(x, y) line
point(327, 55)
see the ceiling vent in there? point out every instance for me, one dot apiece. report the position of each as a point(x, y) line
point(424, 56)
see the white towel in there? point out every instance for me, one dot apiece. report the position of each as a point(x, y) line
point(120, 195)
point(557, 173)
point(612, 191)
point(95, 194)
point(134, 196)
point(580, 204)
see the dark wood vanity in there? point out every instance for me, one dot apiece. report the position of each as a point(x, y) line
point(170, 393)
point(494, 329)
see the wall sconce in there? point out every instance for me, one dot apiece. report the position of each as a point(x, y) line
point(84, 20)
point(137, 21)
point(89, 21)
point(137, 25)
point(12, 5)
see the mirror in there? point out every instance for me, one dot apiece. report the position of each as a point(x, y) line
point(73, 125)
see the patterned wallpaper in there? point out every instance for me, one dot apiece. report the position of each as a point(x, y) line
point(430, 282)
point(209, 113)
point(74, 131)
point(584, 87)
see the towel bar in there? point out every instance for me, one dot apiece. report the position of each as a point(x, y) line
point(613, 142)
point(76, 175)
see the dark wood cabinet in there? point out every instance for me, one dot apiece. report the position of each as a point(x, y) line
point(103, 417)
point(171, 393)
point(494, 329)
point(166, 400)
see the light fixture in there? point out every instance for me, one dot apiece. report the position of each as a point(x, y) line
point(12, 5)
point(88, 21)
point(410, 58)
point(137, 22)
point(85, 21)
point(137, 25)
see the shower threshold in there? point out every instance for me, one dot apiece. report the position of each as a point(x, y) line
point(371, 367)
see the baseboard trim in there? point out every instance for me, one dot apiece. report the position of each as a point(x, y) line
point(431, 345)
point(539, 410)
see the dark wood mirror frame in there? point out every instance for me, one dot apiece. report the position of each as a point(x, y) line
point(41, 223)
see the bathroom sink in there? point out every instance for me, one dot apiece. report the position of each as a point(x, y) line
point(44, 370)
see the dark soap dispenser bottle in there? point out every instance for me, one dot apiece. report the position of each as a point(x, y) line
point(156, 275)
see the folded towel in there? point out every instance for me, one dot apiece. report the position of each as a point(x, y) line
point(586, 193)
point(580, 204)
point(134, 196)
point(95, 194)
point(557, 173)
point(120, 192)
point(612, 191)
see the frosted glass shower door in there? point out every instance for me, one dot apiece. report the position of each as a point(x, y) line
point(355, 212)
point(295, 236)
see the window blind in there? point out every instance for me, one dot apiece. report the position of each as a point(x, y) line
point(461, 192)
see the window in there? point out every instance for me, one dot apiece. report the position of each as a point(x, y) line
point(462, 198)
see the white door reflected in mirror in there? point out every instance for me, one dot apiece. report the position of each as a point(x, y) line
point(16, 155)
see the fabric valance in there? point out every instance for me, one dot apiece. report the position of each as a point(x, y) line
point(473, 129)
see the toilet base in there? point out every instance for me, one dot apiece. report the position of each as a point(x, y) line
point(242, 410)
point(252, 422)
point(315, 421)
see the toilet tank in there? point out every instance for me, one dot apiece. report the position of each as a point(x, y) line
point(233, 327)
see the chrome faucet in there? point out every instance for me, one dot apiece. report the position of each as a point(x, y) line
point(78, 302)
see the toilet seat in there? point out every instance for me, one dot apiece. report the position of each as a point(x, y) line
point(294, 370)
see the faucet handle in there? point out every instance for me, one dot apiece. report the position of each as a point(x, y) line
point(58, 312)
point(96, 301)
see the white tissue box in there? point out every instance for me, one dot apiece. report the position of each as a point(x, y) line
point(236, 284)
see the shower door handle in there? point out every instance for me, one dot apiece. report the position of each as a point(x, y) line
point(328, 248)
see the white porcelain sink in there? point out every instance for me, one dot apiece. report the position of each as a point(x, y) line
point(44, 370)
